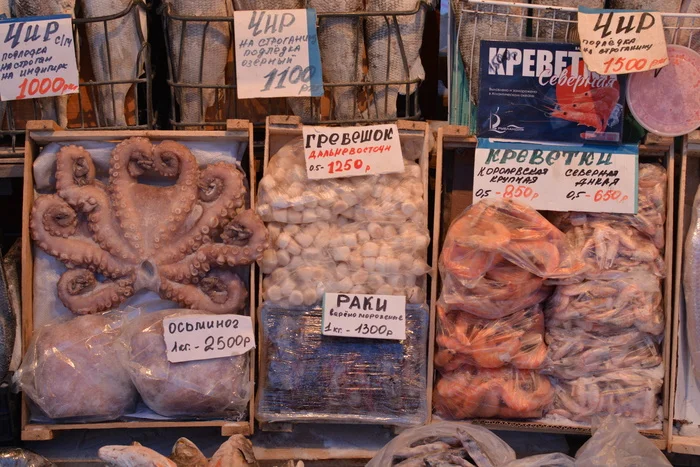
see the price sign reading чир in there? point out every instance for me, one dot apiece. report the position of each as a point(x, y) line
point(556, 177)
point(367, 316)
point(37, 58)
point(335, 152)
point(277, 54)
point(202, 337)
point(616, 42)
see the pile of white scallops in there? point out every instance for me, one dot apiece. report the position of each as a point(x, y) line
point(365, 235)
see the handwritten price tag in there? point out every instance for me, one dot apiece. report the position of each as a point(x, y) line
point(367, 316)
point(37, 58)
point(620, 41)
point(558, 177)
point(277, 54)
point(335, 152)
point(202, 337)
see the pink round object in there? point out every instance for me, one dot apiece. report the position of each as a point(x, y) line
point(666, 101)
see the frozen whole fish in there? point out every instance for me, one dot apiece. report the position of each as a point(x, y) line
point(691, 286)
point(52, 108)
point(300, 106)
point(121, 61)
point(385, 58)
point(16, 457)
point(199, 52)
point(559, 25)
point(11, 263)
point(187, 454)
point(7, 11)
point(507, 22)
point(342, 45)
point(8, 327)
point(237, 451)
point(133, 456)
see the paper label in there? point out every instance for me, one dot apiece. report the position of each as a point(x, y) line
point(202, 337)
point(335, 152)
point(621, 41)
point(37, 58)
point(277, 54)
point(555, 177)
point(366, 316)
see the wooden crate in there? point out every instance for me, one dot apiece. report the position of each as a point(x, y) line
point(689, 180)
point(41, 133)
point(452, 138)
point(281, 130)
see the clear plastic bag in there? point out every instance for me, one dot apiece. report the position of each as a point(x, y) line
point(617, 442)
point(492, 393)
point(16, 457)
point(517, 339)
point(575, 353)
point(554, 459)
point(219, 387)
point(630, 394)
point(361, 235)
point(633, 300)
point(69, 370)
point(361, 380)
point(491, 229)
point(463, 440)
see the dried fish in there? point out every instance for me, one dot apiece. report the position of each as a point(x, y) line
point(133, 456)
point(237, 451)
point(691, 286)
point(187, 454)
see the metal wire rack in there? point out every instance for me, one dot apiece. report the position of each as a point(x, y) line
point(89, 109)
point(476, 20)
point(226, 104)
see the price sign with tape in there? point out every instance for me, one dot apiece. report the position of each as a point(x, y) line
point(556, 177)
point(37, 58)
point(277, 54)
point(366, 316)
point(202, 337)
point(335, 152)
point(621, 41)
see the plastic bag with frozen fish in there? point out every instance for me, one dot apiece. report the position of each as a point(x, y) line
point(364, 235)
point(218, 387)
point(444, 441)
point(363, 380)
point(69, 370)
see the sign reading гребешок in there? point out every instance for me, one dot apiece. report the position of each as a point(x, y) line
point(202, 337)
point(335, 152)
point(367, 316)
point(37, 58)
point(621, 41)
point(277, 54)
point(558, 177)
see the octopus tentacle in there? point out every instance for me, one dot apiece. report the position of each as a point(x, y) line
point(130, 159)
point(218, 292)
point(172, 159)
point(80, 291)
point(245, 240)
point(76, 184)
point(221, 193)
point(53, 221)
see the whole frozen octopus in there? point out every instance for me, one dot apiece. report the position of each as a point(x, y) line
point(181, 241)
point(357, 235)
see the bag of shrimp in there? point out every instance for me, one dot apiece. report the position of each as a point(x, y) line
point(516, 340)
point(632, 394)
point(492, 393)
point(575, 352)
point(633, 300)
point(492, 230)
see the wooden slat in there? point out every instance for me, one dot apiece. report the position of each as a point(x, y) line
point(40, 133)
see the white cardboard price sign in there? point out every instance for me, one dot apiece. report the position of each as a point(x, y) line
point(614, 42)
point(277, 54)
point(367, 316)
point(557, 177)
point(37, 58)
point(202, 337)
point(335, 152)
